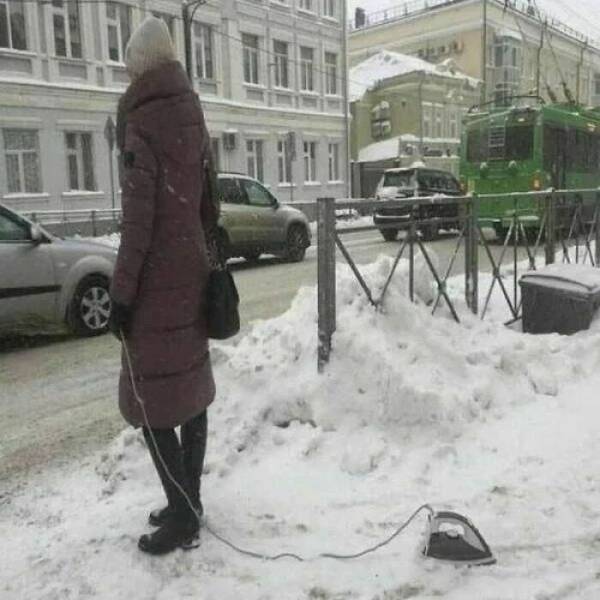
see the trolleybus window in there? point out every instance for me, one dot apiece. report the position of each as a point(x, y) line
point(519, 143)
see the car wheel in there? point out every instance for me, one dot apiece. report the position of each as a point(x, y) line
point(252, 257)
point(389, 235)
point(89, 309)
point(297, 241)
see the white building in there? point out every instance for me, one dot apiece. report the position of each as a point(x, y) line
point(262, 68)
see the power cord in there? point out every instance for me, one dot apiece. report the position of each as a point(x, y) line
point(203, 524)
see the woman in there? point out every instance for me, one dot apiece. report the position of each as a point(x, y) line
point(158, 287)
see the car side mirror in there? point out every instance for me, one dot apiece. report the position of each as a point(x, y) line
point(275, 203)
point(35, 234)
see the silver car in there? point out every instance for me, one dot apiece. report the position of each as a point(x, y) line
point(253, 221)
point(47, 280)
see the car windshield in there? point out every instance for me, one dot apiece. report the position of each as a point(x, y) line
point(398, 179)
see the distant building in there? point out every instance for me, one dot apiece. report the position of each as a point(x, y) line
point(262, 68)
point(527, 52)
point(405, 109)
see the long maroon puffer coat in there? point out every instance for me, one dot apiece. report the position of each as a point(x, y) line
point(162, 267)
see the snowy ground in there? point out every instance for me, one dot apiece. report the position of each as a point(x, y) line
point(473, 417)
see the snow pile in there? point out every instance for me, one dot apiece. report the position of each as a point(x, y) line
point(411, 409)
point(367, 74)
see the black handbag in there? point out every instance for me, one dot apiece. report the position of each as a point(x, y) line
point(222, 305)
point(222, 298)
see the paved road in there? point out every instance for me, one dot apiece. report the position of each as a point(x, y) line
point(57, 397)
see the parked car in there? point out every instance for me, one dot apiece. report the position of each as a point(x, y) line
point(253, 221)
point(407, 183)
point(48, 280)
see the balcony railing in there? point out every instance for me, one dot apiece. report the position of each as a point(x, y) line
point(416, 7)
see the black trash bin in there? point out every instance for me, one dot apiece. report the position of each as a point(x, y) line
point(560, 298)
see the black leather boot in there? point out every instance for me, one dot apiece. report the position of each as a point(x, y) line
point(180, 528)
point(193, 442)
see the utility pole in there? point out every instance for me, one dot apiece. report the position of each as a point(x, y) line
point(484, 54)
point(188, 10)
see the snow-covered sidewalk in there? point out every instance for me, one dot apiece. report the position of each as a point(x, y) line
point(473, 417)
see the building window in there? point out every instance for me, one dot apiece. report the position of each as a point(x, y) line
point(334, 162)
point(80, 162)
point(118, 21)
point(204, 51)
point(307, 67)
point(12, 25)
point(310, 161)
point(331, 70)
point(381, 124)
point(21, 147)
point(283, 162)
point(329, 8)
point(254, 157)
point(169, 20)
point(306, 5)
point(250, 44)
point(67, 28)
point(282, 78)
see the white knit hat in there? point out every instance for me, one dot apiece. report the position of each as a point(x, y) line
point(149, 46)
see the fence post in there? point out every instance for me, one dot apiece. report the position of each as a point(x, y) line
point(94, 228)
point(597, 229)
point(550, 227)
point(472, 254)
point(326, 277)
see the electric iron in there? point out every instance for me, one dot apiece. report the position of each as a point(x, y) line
point(453, 538)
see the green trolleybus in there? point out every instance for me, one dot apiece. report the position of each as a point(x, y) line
point(529, 146)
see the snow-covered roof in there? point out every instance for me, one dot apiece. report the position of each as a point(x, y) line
point(389, 148)
point(385, 65)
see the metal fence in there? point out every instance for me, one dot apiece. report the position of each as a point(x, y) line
point(92, 222)
point(537, 227)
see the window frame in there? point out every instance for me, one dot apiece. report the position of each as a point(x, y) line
point(10, 25)
point(284, 171)
point(282, 65)
point(117, 22)
point(330, 9)
point(309, 155)
point(20, 153)
point(78, 152)
point(307, 70)
point(331, 73)
point(64, 12)
point(202, 39)
point(251, 59)
point(255, 157)
point(334, 162)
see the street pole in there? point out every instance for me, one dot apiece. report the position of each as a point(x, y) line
point(346, 94)
point(484, 55)
point(110, 136)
